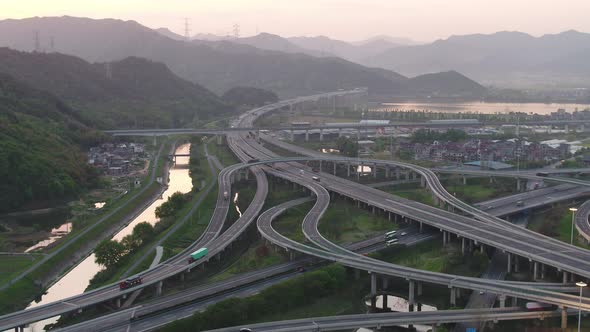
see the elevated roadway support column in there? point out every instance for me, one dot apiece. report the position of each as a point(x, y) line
point(373, 290)
point(433, 329)
point(419, 288)
point(563, 318)
point(159, 286)
point(321, 135)
point(411, 300)
point(516, 267)
point(502, 301)
point(509, 267)
point(307, 135)
point(453, 298)
point(385, 283)
point(348, 169)
point(564, 277)
point(535, 270)
point(463, 246)
point(292, 136)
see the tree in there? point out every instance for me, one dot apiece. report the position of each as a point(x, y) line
point(108, 253)
point(347, 146)
point(143, 231)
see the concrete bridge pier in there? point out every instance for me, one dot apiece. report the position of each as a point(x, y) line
point(535, 270)
point(118, 303)
point(373, 290)
point(292, 135)
point(543, 271)
point(433, 328)
point(565, 277)
point(419, 288)
point(422, 182)
point(563, 318)
point(502, 300)
point(421, 227)
point(566, 128)
point(321, 135)
point(411, 300)
point(453, 298)
point(306, 135)
point(464, 180)
point(509, 267)
point(385, 283)
point(516, 267)
point(463, 246)
point(339, 132)
point(444, 233)
point(348, 169)
point(155, 140)
point(321, 164)
point(514, 302)
point(387, 172)
point(159, 286)
point(397, 175)
point(388, 216)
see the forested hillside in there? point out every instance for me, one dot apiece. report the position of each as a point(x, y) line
point(40, 139)
point(131, 93)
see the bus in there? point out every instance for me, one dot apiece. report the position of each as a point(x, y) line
point(390, 235)
point(391, 242)
point(195, 256)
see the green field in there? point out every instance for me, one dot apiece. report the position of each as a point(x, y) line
point(13, 265)
point(346, 223)
point(557, 223)
point(431, 256)
point(259, 255)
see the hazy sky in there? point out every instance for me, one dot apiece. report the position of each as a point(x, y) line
point(423, 20)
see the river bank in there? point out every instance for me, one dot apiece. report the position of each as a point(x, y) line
point(76, 280)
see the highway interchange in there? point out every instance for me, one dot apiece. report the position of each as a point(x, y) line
point(478, 226)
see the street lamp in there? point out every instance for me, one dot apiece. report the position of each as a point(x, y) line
point(580, 284)
point(573, 209)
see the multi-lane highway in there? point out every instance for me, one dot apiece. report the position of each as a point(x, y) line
point(378, 321)
point(481, 228)
point(533, 199)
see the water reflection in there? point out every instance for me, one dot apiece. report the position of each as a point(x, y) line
point(78, 279)
point(363, 169)
point(482, 107)
point(236, 204)
point(399, 304)
point(56, 234)
point(330, 151)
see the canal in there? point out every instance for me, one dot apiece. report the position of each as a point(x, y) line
point(77, 280)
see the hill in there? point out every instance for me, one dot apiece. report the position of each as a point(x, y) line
point(248, 96)
point(349, 51)
point(40, 138)
point(132, 92)
point(218, 66)
point(502, 58)
point(267, 41)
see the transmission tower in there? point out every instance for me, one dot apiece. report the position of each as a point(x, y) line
point(187, 29)
point(236, 31)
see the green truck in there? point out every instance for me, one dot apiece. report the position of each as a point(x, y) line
point(195, 256)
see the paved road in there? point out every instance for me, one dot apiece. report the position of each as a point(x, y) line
point(377, 321)
point(533, 199)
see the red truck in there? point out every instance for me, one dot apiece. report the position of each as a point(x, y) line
point(130, 282)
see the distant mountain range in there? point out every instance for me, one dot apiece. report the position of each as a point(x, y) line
point(505, 58)
point(217, 65)
point(132, 92)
